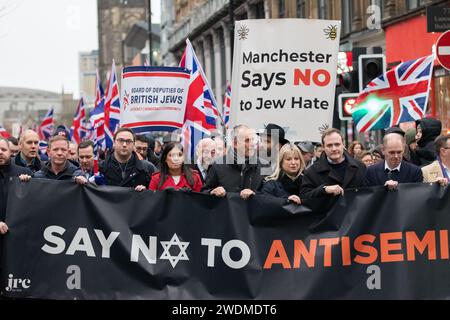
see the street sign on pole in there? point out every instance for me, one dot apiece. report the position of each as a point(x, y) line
point(443, 50)
point(438, 19)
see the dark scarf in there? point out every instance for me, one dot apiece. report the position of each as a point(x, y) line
point(289, 185)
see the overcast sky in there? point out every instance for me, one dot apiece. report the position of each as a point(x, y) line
point(40, 41)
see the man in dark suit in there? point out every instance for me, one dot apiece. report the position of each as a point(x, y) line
point(239, 170)
point(392, 170)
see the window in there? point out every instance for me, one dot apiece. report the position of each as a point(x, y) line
point(413, 4)
point(301, 9)
point(322, 7)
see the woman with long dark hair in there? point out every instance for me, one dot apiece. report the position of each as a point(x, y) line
point(174, 173)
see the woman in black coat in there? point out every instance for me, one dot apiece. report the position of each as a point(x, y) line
point(286, 180)
point(428, 129)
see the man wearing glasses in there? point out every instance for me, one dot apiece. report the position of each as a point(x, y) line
point(122, 167)
point(439, 170)
point(144, 151)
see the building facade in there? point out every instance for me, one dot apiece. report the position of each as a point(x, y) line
point(136, 45)
point(87, 69)
point(365, 23)
point(27, 107)
point(115, 19)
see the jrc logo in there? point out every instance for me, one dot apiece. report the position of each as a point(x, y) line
point(16, 284)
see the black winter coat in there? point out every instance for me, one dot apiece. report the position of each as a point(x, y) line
point(70, 171)
point(35, 166)
point(426, 152)
point(6, 172)
point(135, 172)
point(320, 175)
point(283, 187)
point(234, 177)
point(152, 158)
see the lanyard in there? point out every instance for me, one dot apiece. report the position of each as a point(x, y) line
point(444, 172)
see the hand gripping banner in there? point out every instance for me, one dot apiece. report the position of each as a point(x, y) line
point(67, 241)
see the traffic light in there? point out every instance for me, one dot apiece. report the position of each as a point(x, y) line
point(349, 81)
point(346, 103)
point(370, 66)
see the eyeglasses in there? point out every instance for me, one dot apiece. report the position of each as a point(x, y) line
point(141, 148)
point(122, 141)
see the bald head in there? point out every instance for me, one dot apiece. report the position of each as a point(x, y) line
point(244, 141)
point(29, 145)
point(393, 149)
point(393, 137)
point(27, 134)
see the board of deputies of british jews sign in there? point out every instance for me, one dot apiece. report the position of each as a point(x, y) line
point(153, 98)
point(284, 72)
point(115, 243)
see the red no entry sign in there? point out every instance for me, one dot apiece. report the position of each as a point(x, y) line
point(443, 50)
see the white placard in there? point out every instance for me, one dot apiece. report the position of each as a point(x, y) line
point(284, 72)
point(153, 98)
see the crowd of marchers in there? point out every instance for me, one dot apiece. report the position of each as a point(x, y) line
point(245, 162)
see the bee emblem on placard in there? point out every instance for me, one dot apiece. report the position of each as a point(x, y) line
point(323, 128)
point(331, 32)
point(243, 32)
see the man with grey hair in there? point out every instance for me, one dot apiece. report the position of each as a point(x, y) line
point(204, 157)
point(393, 170)
point(240, 170)
point(220, 146)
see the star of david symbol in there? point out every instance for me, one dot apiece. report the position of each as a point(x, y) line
point(166, 255)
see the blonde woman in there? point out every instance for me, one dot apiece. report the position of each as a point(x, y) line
point(286, 180)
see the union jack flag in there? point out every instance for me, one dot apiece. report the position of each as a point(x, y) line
point(227, 105)
point(97, 118)
point(112, 108)
point(45, 129)
point(5, 134)
point(43, 145)
point(399, 95)
point(201, 106)
point(79, 127)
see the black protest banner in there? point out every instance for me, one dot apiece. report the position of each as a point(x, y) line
point(72, 242)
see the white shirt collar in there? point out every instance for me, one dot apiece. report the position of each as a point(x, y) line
point(397, 167)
